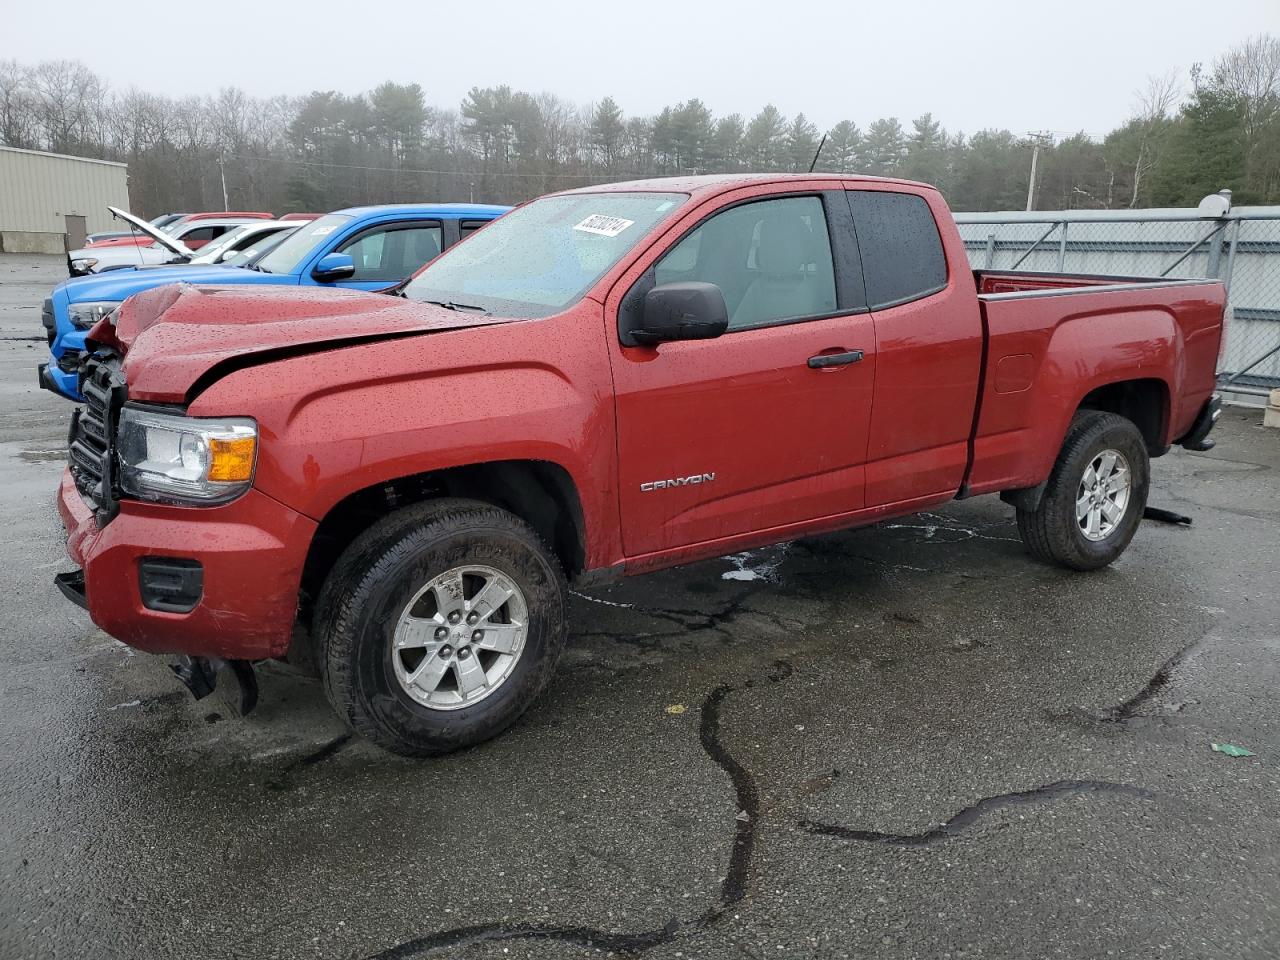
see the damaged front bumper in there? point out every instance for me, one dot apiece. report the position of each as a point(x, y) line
point(202, 581)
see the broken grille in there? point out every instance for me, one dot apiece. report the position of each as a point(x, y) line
point(90, 445)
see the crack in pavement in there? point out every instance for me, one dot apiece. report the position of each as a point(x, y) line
point(1129, 708)
point(970, 815)
point(685, 621)
point(733, 889)
point(285, 779)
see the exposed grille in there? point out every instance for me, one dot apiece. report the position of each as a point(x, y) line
point(47, 321)
point(90, 445)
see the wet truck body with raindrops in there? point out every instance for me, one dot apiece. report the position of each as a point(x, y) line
point(395, 491)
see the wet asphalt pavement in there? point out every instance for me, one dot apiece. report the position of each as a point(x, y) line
point(905, 741)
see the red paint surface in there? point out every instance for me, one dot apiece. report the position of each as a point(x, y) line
point(252, 551)
point(416, 389)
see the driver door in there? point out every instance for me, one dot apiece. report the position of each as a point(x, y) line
point(752, 430)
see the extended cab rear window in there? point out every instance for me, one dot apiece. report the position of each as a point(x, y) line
point(902, 255)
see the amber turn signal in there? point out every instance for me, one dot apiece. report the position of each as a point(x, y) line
point(231, 458)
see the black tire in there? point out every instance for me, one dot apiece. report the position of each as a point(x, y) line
point(378, 575)
point(1051, 531)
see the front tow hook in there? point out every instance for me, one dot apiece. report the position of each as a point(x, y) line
point(200, 676)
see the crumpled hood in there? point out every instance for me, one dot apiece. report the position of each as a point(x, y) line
point(178, 339)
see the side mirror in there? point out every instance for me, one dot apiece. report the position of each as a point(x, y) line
point(334, 266)
point(690, 310)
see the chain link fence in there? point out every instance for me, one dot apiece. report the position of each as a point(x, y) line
point(1241, 247)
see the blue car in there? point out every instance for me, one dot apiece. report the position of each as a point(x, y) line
point(365, 248)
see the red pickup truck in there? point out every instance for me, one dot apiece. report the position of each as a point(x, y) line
point(397, 488)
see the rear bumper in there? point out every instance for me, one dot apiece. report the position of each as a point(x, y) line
point(1197, 437)
point(251, 552)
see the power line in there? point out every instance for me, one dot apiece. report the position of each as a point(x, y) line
point(446, 173)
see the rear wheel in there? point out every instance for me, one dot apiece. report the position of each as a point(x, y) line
point(1095, 495)
point(440, 625)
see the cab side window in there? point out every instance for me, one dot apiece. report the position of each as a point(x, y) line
point(902, 255)
point(392, 252)
point(202, 235)
point(771, 259)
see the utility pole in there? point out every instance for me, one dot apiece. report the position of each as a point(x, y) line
point(222, 168)
point(1038, 140)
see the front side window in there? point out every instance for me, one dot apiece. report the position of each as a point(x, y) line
point(771, 259)
point(902, 255)
point(544, 256)
point(393, 252)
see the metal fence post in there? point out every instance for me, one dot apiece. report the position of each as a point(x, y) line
point(991, 250)
point(1215, 252)
point(1062, 249)
point(1231, 255)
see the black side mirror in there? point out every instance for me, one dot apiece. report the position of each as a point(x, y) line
point(690, 310)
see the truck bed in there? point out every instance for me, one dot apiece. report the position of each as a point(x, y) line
point(1052, 339)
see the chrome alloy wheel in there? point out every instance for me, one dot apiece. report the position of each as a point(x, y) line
point(1103, 495)
point(460, 637)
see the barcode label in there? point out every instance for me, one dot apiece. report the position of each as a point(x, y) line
point(604, 226)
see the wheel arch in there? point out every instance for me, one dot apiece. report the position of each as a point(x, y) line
point(539, 492)
point(1145, 401)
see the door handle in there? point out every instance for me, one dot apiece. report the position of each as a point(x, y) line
point(824, 360)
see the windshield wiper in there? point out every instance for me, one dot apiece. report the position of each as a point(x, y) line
point(454, 305)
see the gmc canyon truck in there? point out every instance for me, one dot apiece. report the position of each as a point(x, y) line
point(397, 489)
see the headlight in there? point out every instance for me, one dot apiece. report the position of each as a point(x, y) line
point(85, 315)
point(189, 460)
point(84, 264)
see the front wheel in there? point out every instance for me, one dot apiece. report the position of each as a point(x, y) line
point(440, 625)
point(1095, 496)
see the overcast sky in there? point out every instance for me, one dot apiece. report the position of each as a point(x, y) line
point(1063, 66)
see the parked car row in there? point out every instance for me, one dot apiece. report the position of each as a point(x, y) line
point(161, 221)
point(156, 246)
point(396, 490)
point(181, 223)
point(364, 248)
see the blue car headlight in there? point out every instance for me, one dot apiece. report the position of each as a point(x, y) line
point(85, 315)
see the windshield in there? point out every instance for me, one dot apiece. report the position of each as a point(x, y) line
point(540, 258)
point(257, 249)
point(289, 256)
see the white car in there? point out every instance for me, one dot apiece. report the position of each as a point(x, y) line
point(238, 246)
point(167, 248)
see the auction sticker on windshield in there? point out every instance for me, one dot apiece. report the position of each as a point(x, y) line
point(598, 223)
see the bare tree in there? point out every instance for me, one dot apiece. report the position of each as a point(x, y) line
point(17, 105)
point(1251, 72)
point(68, 93)
point(1154, 104)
